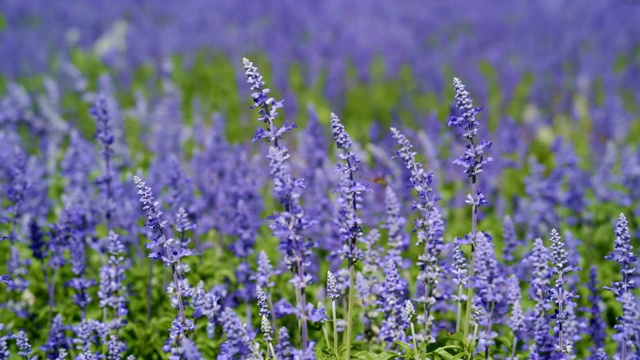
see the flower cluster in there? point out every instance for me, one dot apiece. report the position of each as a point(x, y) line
point(473, 158)
point(429, 226)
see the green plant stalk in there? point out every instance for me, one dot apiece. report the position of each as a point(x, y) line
point(467, 318)
point(149, 290)
point(335, 327)
point(415, 343)
point(325, 332)
point(273, 353)
point(352, 275)
point(302, 301)
point(473, 339)
point(459, 315)
point(273, 312)
point(474, 231)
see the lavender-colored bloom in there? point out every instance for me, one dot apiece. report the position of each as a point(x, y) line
point(624, 256)
point(190, 350)
point(177, 332)
point(82, 297)
point(490, 285)
point(317, 314)
point(267, 106)
point(62, 355)
point(459, 271)
point(290, 225)
point(161, 247)
point(629, 323)
point(368, 281)
point(84, 336)
point(183, 225)
point(391, 305)
point(595, 324)
point(24, 347)
point(6, 279)
point(516, 321)
point(429, 226)
point(18, 187)
point(112, 292)
point(100, 112)
point(332, 286)
point(543, 193)
point(538, 320)
point(286, 187)
point(601, 355)
point(58, 242)
point(262, 276)
point(19, 269)
point(559, 295)
point(510, 240)
point(473, 159)
point(262, 301)
point(209, 307)
point(314, 164)
point(5, 354)
point(398, 239)
point(265, 328)
point(57, 340)
point(283, 308)
point(237, 344)
point(305, 354)
point(170, 252)
point(114, 348)
point(350, 190)
point(245, 231)
point(283, 348)
point(576, 180)
point(37, 243)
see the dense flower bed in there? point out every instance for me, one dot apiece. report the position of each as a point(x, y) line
point(146, 214)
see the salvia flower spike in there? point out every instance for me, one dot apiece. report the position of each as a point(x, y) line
point(472, 161)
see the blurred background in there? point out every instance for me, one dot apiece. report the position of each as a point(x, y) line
point(328, 49)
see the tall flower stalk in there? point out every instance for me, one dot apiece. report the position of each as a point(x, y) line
point(351, 228)
point(291, 224)
point(629, 323)
point(104, 135)
point(170, 252)
point(562, 297)
point(333, 294)
point(429, 227)
point(472, 160)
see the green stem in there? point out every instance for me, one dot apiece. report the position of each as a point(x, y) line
point(352, 275)
point(273, 353)
point(459, 315)
point(335, 327)
point(415, 343)
point(467, 319)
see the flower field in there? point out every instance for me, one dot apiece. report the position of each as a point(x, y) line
point(319, 180)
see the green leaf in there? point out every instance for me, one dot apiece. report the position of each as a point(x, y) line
point(504, 341)
point(405, 347)
point(387, 355)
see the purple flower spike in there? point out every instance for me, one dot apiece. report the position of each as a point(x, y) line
point(629, 323)
point(562, 297)
point(473, 159)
